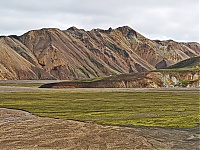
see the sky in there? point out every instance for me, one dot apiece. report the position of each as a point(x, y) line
point(156, 19)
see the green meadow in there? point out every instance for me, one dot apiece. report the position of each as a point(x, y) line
point(173, 109)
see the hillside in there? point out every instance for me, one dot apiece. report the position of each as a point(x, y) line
point(132, 80)
point(182, 78)
point(188, 63)
point(77, 54)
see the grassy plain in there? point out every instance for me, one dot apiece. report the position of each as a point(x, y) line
point(174, 109)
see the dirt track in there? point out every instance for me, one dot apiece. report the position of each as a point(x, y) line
point(21, 130)
point(34, 89)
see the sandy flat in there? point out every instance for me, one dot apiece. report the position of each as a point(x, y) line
point(22, 130)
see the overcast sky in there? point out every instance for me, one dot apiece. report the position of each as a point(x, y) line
point(155, 19)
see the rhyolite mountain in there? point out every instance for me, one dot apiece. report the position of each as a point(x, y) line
point(52, 53)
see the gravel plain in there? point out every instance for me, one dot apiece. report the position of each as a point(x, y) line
point(22, 130)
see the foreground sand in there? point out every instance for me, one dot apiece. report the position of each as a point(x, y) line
point(22, 130)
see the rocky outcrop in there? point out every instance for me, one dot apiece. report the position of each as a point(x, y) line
point(77, 54)
point(181, 79)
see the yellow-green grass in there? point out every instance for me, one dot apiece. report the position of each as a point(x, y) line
point(179, 109)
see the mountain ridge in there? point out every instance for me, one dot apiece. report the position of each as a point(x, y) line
point(51, 53)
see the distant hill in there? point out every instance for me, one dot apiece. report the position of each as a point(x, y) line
point(74, 53)
point(191, 62)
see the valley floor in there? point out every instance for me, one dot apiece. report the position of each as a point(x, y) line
point(23, 130)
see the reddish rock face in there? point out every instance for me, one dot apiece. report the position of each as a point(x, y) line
point(76, 53)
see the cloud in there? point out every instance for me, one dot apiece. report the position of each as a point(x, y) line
point(176, 19)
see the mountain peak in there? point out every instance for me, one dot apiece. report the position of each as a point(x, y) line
point(125, 29)
point(73, 28)
point(43, 30)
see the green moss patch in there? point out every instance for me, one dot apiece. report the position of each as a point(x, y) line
point(179, 109)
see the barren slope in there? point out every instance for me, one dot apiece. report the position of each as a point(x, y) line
point(14, 66)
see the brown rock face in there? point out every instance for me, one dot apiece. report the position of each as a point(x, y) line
point(76, 53)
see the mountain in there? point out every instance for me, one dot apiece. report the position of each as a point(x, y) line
point(74, 53)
